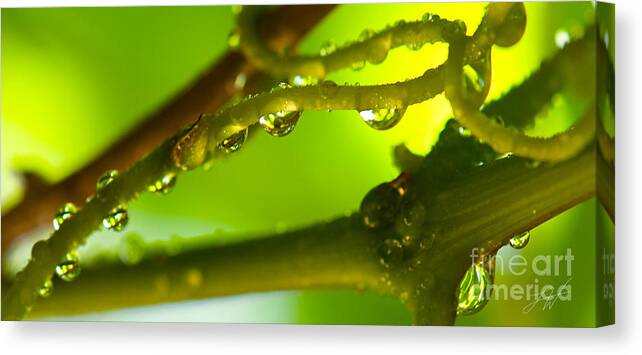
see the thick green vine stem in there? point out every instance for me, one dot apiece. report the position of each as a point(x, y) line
point(213, 136)
point(423, 272)
point(371, 47)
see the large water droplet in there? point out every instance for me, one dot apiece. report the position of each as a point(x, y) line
point(164, 185)
point(117, 219)
point(234, 142)
point(472, 291)
point(190, 151)
point(46, 289)
point(380, 206)
point(105, 179)
point(521, 240)
point(328, 48)
point(69, 268)
point(383, 118)
point(512, 29)
point(280, 123)
point(67, 211)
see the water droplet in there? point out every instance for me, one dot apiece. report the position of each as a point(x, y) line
point(105, 180)
point(453, 30)
point(415, 46)
point(562, 38)
point(521, 240)
point(472, 80)
point(328, 89)
point(380, 206)
point(383, 118)
point(190, 151)
point(234, 142)
point(428, 17)
point(463, 131)
point(69, 268)
point(390, 252)
point(366, 34)
point(46, 289)
point(117, 219)
point(512, 29)
point(472, 290)
point(280, 123)
point(328, 48)
point(67, 211)
point(358, 65)
point(164, 185)
point(234, 39)
point(301, 80)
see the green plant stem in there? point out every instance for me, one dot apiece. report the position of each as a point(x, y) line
point(506, 140)
point(342, 253)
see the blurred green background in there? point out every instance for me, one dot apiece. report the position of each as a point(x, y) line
point(75, 79)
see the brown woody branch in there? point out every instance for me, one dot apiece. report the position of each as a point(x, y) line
point(288, 24)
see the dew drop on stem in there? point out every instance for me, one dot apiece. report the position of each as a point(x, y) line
point(105, 179)
point(67, 211)
point(520, 241)
point(117, 219)
point(69, 268)
point(234, 142)
point(280, 123)
point(383, 118)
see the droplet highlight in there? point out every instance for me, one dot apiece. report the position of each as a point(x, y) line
point(521, 240)
point(280, 123)
point(117, 219)
point(234, 142)
point(163, 185)
point(67, 211)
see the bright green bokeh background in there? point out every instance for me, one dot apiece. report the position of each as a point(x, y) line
point(75, 79)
